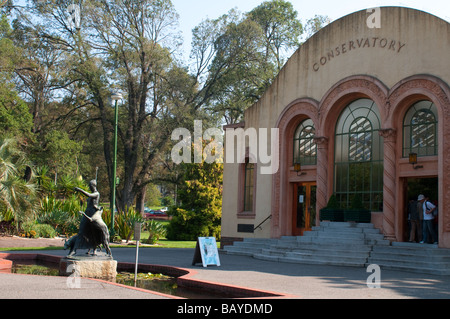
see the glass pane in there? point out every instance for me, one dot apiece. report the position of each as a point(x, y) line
point(420, 130)
point(305, 149)
point(359, 155)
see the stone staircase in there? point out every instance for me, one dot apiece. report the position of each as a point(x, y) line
point(420, 258)
point(346, 244)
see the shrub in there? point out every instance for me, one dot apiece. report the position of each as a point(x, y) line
point(125, 221)
point(6, 216)
point(29, 230)
point(46, 231)
point(62, 215)
point(156, 231)
point(32, 229)
point(198, 218)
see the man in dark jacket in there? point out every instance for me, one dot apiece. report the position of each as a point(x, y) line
point(415, 223)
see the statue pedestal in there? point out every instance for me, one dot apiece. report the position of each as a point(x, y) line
point(99, 267)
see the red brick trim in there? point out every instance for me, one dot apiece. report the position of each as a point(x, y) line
point(184, 278)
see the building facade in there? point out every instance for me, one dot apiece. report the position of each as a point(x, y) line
point(349, 108)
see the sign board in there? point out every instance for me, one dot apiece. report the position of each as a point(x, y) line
point(137, 231)
point(206, 252)
point(301, 199)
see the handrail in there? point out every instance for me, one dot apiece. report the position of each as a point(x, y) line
point(259, 226)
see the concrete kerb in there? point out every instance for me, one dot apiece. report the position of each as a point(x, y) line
point(184, 277)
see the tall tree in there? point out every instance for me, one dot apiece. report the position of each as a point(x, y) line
point(15, 119)
point(239, 55)
point(315, 24)
point(125, 46)
point(281, 28)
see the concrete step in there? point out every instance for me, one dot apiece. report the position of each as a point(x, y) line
point(343, 230)
point(327, 254)
point(249, 246)
point(347, 244)
point(313, 259)
point(314, 246)
point(330, 260)
point(326, 240)
point(412, 257)
point(345, 235)
point(414, 252)
point(255, 243)
point(241, 251)
point(340, 234)
point(348, 225)
point(434, 269)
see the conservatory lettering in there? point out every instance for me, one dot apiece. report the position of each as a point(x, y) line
point(352, 45)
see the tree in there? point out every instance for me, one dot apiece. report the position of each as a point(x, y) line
point(199, 213)
point(238, 56)
point(67, 75)
point(60, 153)
point(15, 118)
point(17, 193)
point(121, 45)
point(281, 28)
point(37, 72)
point(153, 197)
point(229, 65)
point(246, 71)
point(315, 24)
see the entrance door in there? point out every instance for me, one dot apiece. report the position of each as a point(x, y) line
point(304, 214)
point(412, 187)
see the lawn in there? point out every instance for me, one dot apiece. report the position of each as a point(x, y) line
point(162, 243)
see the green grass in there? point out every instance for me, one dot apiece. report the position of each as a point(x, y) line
point(156, 207)
point(162, 243)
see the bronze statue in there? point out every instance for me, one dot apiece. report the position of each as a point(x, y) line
point(93, 231)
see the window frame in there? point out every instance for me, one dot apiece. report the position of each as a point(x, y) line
point(361, 172)
point(242, 210)
point(308, 157)
point(409, 129)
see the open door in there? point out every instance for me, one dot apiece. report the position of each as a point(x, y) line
point(304, 214)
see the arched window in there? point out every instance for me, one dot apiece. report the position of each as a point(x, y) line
point(305, 150)
point(420, 130)
point(359, 155)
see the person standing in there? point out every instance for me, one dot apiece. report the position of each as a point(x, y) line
point(414, 219)
point(428, 216)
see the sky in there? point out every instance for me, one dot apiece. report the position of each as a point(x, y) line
point(192, 12)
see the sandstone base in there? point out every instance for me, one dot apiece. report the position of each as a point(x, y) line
point(99, 268)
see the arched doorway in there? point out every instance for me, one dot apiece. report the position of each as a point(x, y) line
point(296, 144)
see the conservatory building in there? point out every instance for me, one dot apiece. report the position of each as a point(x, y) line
point(360, 111)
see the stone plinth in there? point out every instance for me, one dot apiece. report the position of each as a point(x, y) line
point(89, 267)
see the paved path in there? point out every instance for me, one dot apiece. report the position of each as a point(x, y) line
point(15, 241)
point(295, 280)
